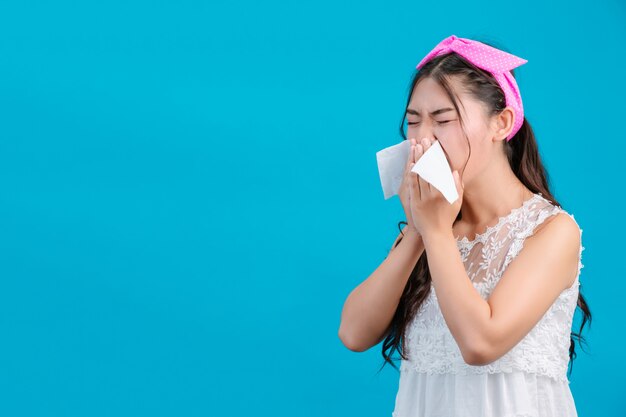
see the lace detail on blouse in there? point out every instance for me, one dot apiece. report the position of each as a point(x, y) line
point(431, 347)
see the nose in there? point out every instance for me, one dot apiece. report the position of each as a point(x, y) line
point(425, 129)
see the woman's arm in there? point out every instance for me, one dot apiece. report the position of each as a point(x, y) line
point(369, 309)
point(486, 329)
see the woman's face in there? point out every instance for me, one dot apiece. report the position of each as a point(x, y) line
point(431, 115)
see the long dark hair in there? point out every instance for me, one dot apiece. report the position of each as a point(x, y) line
point(523, 156)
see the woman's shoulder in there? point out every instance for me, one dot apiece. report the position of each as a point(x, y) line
point(552, 211)
point(544, 216)
point(556, 224)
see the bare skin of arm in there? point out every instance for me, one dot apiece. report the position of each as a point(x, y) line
point(369, 308)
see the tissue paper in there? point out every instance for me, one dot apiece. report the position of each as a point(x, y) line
point(434, 168)
point(391, 164)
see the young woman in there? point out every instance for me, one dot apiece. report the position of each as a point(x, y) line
point(478, 296)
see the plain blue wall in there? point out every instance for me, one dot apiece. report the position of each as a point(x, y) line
point(190, 191)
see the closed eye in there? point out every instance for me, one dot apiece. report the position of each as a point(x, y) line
point(441, 123)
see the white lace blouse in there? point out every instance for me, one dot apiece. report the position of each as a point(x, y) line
point(529, 380)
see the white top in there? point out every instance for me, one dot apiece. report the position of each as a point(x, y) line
point(530, 379)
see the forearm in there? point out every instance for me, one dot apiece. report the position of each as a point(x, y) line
point(369, 309)
point(466, 313)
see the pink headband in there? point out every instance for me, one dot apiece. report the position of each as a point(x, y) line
point(497, 62)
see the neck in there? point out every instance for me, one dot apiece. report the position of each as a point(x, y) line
point(492, 194)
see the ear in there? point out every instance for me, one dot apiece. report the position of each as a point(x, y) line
point(503, 124)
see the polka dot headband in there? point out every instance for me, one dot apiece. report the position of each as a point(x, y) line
point(497, 62)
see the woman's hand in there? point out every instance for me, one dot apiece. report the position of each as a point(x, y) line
point(429, 209)
point(403, 192)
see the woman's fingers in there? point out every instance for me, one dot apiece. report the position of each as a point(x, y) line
point(421, 147)
point(407, 166)
point(424, 185)
point(426, 143)
point(409, 159)
point(418, 184)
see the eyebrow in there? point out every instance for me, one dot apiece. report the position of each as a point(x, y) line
point(434, 113)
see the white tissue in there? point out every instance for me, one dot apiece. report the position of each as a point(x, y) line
point(434, 168)
point(391, 164)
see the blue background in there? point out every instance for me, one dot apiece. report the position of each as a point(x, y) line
point(190, 192)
